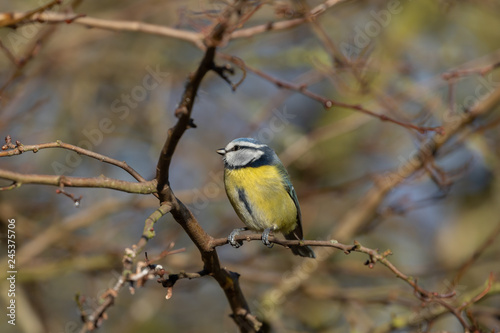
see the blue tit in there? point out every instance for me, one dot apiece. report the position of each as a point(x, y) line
point(260, 191)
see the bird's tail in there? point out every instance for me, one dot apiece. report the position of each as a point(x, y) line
point(299, 250)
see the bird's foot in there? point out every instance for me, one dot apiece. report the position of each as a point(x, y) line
point(234, 243)
point(265, 238)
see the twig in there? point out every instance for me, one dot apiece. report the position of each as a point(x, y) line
point(19, 148)
point(75, 200)
point(449, 76)
point(193, 37)
point(455, 312)
point(30, 53)
point(413, 319)
point(374, 256)
point(326, 102)
point(477, 253)
point(365, 209)
point(93, 320)
point(382, 117)
point(479, 296)
point(148, 232)
point(91, 22)
point(148, 187)
point(12, 20)
point(144, 271)
point(9, 54)
point(282, 25)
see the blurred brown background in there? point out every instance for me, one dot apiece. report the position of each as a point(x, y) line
point(397, 52)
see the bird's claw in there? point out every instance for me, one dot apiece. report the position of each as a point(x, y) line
point(234, 243)
point(265, 238)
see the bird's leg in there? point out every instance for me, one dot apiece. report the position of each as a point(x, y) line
point(265, 238)
point(234, 233)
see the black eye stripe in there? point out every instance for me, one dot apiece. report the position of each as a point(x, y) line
point(239, 147)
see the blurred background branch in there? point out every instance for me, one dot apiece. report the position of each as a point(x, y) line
point(110, 79)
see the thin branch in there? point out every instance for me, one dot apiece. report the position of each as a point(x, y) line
point(147, 187)
point(457, 73)
point(453, 311)
point(480, 295)
point(17, 18)
point(283, 25)
point(9, 54)
point(93, 321)
point(477, 253)
point(19, 148)
point(144, 271)
point(373, 254)
point(382, 117)
point(366, 207)
point(29, 55)
point(326, 102)
point(148, 232)
point(413, 319)
point(75, 200)
point(12, 20)
point(91, 22)
point(337, 57)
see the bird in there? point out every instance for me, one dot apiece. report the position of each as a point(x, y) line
point(261, 193)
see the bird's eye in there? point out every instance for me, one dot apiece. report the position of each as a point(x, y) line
point(235, 148)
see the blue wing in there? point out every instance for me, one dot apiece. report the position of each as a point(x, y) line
point(291, 191)
point(296, 234)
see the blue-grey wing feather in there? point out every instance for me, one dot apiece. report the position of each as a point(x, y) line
point(291, 191)
point(296, 234)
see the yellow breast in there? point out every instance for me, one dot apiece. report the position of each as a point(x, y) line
point(260, 198)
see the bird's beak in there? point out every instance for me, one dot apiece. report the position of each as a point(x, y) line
point(221, 151)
